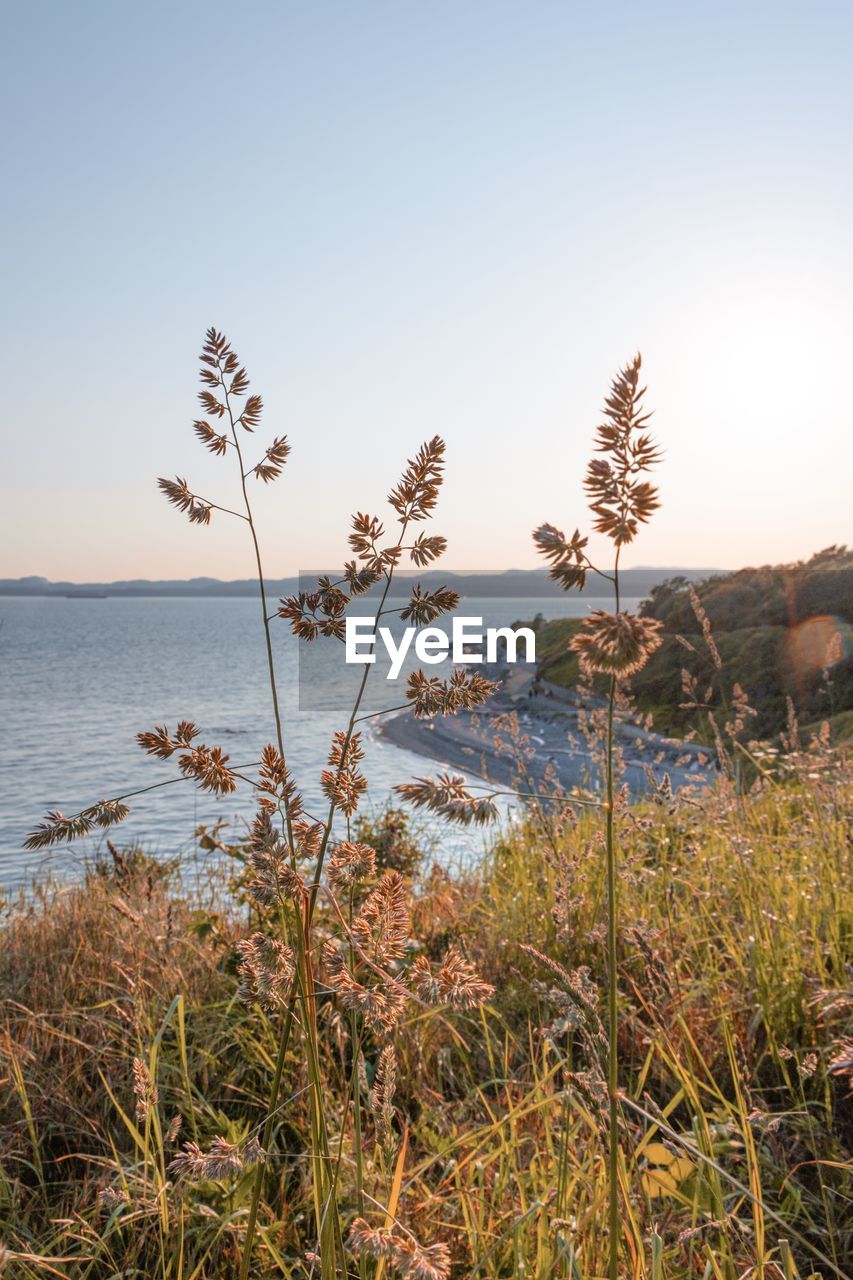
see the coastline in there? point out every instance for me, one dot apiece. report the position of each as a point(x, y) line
point(550, 717)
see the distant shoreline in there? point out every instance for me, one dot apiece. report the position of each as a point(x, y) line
point(501, 584)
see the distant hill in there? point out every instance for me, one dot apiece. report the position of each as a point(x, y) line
point(776, 629)
point(510, 583)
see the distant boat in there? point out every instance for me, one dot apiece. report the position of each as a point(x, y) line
point(85, 595)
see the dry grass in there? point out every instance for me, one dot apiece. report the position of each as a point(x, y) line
point(87, 975)
point(732, 975)
point(620, 1044)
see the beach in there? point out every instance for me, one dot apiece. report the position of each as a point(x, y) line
point(551, 720)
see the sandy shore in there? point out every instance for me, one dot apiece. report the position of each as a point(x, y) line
point(549, 717)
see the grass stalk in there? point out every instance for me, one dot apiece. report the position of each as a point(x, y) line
point(612, 1004)
point(615, 1224)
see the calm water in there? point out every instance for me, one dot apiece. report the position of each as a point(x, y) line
point(79, 678)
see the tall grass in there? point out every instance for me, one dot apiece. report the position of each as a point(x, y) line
point(733, 943)
point(346, 1063)
point(615, 645)
point(363, 959)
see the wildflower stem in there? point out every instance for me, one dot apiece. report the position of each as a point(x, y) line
point(353, 720)
point(266, 1138)
point(288, 1020)
point(304, 952)
point(216, 507)
point(612, 995)
point(608, 576)
point(251, 1224)
point(262, 586)
point(167, 782)
point(612, 1006)
point(386, 711)
point(355, 1087)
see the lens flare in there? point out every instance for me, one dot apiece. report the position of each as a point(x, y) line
point(818, 643)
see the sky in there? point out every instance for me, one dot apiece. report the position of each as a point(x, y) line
point(420, 218)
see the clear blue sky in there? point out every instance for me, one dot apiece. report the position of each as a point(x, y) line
point(453, 217)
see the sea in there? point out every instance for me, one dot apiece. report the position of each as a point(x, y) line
point(80, 677)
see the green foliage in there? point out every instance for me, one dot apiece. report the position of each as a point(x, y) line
point(772, 627)
point(554, 662)
point(398, 845)
point(770, 596)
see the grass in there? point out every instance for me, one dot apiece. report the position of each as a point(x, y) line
point(616, 1046)
point(731, 977)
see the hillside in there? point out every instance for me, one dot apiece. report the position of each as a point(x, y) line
point(775, 629)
